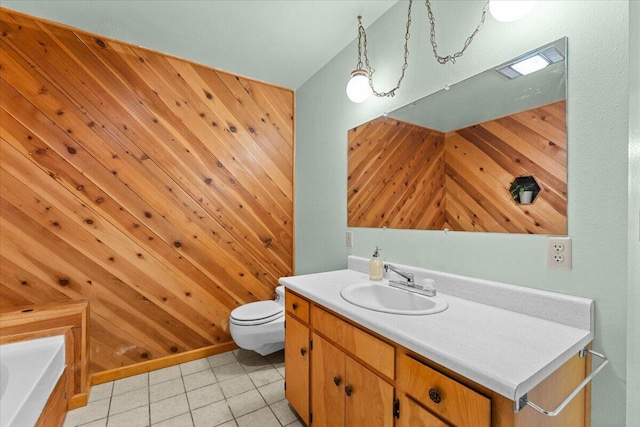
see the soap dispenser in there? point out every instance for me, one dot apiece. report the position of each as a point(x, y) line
point(375, 265)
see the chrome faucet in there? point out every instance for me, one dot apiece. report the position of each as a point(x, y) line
point(407, 276)
point(409, 283)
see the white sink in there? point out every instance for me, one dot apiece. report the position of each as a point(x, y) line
point(382, 297)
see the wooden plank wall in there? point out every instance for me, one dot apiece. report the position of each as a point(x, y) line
point(159, 189)
point(406, 176)
point(396, 176)
point(483, 159)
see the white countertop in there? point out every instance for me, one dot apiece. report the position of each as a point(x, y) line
point(508, 351)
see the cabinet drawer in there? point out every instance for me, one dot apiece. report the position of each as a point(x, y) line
point(444, 396)
point(297, 306)
point(369, 349)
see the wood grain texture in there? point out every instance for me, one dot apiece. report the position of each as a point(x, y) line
point(69, 318)
point(458, 404)
point(159, 189)
point(396, 176)
point(376, 353)
point(405, 176)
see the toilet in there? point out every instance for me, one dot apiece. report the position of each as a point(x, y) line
point(259, 326)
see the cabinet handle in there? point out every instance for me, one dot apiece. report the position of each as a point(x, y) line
point(303, 351)
point(434, 395)
point(348, 390)
point(337, 381)
point(295, 305)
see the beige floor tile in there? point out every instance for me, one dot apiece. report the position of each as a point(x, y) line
point(260, 418)
point(221, 359)
point(277, 357)
point(169, 408)
point(100, 391)
point(165, 374)
point(254, 363)
point(246, 402)
point(138, 417)
point(284, 412)
point(236, 385)
point(241, 354)
point(183, 420)
point(166, 389)
point(297, 423)
point(265, 376)
point(228, 371)
point(204, 396)
point(212, 415)
point(199, 379)
point(97, 423)
point(273, 392)
point(231, 423)
point(129, 400)
point(92, 412)
point(194, 366)
point(131, 383)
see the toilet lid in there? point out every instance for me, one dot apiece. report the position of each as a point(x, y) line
point(256, 313)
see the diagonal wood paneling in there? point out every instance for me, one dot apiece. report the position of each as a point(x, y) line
point(405, 176)
point(396, 176)
point(159, 189)
point(483, 159)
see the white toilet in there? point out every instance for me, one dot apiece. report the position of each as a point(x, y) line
point(259, 326)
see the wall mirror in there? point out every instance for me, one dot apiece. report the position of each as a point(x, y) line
point(487, 154)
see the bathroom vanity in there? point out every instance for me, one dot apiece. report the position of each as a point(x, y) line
point(477, 363)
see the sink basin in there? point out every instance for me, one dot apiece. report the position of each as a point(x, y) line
point(382, 297)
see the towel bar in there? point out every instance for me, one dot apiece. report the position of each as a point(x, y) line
point(523, 401)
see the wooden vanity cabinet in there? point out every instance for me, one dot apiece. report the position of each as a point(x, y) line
point(297, 354)
point(449, 399)
point(389, 386)
point(346, 393)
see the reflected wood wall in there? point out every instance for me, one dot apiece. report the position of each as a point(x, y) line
point(396, 176)
point(159, 189)
point(399, 171)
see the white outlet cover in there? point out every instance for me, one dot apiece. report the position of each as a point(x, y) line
point(559, 252)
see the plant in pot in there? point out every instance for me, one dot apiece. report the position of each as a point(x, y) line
point(522, 192)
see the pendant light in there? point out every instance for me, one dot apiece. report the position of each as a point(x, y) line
point(510, 10)
point(360, 86)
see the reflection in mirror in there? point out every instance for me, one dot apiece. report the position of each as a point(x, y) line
point(449, 160)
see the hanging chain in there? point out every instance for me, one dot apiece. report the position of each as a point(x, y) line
point(362, 46)
point(452, 58)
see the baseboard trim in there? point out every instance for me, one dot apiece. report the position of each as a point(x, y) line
point(163, 362)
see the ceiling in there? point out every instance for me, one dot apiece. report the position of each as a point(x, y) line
point(277, 41)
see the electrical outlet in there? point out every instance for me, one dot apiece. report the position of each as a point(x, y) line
point(349, 239)
point(559, 252)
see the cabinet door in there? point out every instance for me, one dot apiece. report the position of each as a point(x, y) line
point(296, 360)
point(328, 382)
point(414, 415)
point(369, 399)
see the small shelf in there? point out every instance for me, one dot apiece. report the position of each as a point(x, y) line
point(529, 183)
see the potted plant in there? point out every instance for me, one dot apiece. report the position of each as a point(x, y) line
point(522, 192)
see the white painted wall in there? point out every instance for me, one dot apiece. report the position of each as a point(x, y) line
point(633, 321)
point(598, 125)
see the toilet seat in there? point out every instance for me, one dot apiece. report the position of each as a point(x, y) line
point(257, 313)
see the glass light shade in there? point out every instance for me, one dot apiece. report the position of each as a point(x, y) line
point(510, 10)
point(358, 89)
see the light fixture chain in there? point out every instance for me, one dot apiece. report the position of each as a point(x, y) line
point(362, 40)
point(452, 58)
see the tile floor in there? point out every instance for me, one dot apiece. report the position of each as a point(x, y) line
point(235, 389)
